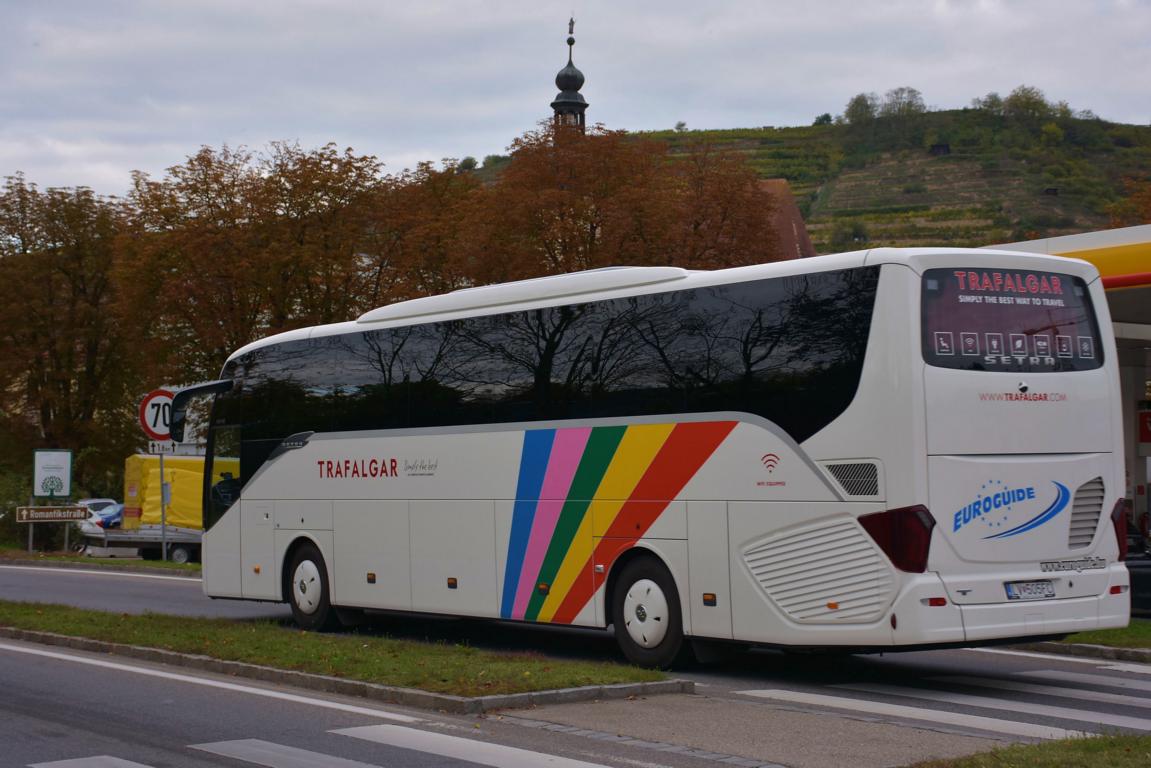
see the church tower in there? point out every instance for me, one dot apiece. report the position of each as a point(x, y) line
point(569, 105)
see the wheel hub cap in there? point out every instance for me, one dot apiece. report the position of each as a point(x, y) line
point(307, 588)
point(646, 613)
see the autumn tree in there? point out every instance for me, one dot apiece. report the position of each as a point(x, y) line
point(230, 246)
point(63, 373)
point(315, 216)
point(195, 285)
point(569, 201)
point(417, 228)
point(723, 214)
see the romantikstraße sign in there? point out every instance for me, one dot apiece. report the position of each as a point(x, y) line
point(51, 514)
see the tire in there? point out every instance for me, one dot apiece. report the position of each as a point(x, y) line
point(308, 591)
point(646, 613)
point(179, 554)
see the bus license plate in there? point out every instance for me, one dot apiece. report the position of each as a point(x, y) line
point(1030, 590)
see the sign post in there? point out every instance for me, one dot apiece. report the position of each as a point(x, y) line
point(52, 478)
point(156, 419)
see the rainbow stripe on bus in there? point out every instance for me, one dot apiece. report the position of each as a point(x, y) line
point(585, 493)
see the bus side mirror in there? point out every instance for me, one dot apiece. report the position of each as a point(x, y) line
point(180, 403)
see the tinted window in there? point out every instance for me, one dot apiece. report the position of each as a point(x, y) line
point(788, 349)
point(221, 486)
point(1008, 320)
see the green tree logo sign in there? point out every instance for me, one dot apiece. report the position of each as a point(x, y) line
point(52, 485)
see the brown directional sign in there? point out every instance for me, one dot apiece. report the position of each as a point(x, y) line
point(51, 514)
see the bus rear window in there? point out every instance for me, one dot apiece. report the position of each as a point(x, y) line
point(1008, 320)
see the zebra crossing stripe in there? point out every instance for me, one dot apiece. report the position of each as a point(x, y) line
point(957, 719)
point(1105, 681)
point(274, 755)
point(98, 761)
point(1079, 694)
point(1115, 666)
point(1011, 705)
point(458, 748)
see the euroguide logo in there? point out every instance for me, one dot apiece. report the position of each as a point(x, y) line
point(996, 502)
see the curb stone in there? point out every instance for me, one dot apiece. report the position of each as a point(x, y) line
point(1139, 655)
point(411, 697)
point(101, 566)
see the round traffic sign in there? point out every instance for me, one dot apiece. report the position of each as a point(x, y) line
point(156, 413)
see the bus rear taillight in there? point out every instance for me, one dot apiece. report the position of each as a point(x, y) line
point(1119, 522)
point(903, 534)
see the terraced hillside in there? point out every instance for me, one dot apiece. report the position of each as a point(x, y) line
point(961, 177)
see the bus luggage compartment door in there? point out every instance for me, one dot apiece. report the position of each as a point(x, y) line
point(1012, 529)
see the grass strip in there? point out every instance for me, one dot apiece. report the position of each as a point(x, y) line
point(439, 667)
point(118, 562)
point(1094, 752)
point(1137, 634)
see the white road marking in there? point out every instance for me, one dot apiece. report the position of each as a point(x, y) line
point(99, 761)
point(1138, 669)
point(458, 748)
point(1011, 705)
point(990, 724)
point(96, 571)
point(209, 683)
point(1079, 677)
point(1080, 694)
point(273, 755)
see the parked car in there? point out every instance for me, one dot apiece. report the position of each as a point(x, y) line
point(103, 515)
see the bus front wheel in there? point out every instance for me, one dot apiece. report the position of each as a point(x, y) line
point(646, 614)
point(308, 591)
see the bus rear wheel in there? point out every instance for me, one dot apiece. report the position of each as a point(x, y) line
point(646, 614)
point(308, 591)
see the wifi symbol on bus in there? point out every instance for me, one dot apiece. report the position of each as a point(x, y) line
point(770, 461)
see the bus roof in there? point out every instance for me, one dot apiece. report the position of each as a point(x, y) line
point(612, 283)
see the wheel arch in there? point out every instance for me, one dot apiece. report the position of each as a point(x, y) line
point(302, 539)
point(644, 549)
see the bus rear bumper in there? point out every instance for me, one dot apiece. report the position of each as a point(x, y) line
point(917, 622)
point(1046, 617)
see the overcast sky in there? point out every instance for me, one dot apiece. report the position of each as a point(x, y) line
point(92, 90)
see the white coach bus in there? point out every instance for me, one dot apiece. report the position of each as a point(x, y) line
point(875, 450)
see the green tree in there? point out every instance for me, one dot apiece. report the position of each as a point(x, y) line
point(824, 119)
point(1051, 135)
point(992, 103)
point(861, 109)
point(1027, 106)
point(902, 102)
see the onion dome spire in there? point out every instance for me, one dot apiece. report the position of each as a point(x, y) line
point(569, 105)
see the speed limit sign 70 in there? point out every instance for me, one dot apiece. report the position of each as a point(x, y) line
point(156, 414)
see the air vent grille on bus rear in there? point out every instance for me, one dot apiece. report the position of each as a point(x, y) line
point(1085, 512)
point(857, 478)
point(828, 573)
